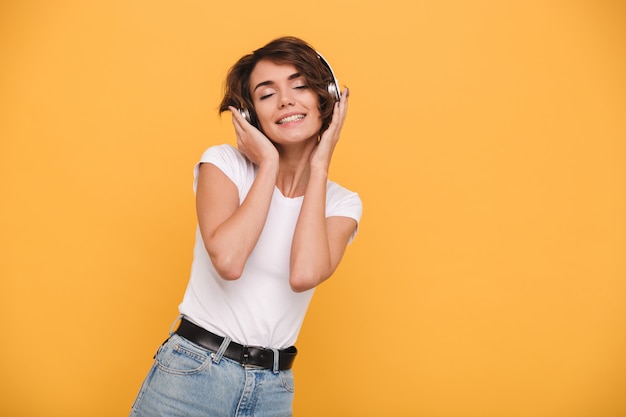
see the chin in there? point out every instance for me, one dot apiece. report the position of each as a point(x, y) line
point(294, 136)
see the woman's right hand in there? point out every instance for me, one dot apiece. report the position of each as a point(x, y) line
point(251, 142)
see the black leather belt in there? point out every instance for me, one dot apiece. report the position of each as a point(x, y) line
point(245, 355)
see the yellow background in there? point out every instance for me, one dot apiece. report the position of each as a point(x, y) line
point(486, 138)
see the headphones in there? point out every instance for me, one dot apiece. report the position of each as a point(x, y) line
point(333, 89)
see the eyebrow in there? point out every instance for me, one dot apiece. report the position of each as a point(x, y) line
point(269, 82)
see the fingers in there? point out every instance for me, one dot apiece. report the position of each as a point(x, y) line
point(343, 104)
point(237, 118)
point(251, 141)
point(341, 108)
point(340, 112)
point(345, 94)
point(239, 124)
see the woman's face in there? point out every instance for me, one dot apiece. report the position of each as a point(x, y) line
point(286, 108)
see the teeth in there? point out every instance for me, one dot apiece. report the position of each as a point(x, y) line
point(293, 118)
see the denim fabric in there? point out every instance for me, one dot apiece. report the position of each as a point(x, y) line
point(187, 380)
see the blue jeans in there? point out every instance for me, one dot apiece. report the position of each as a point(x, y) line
point(187, 380)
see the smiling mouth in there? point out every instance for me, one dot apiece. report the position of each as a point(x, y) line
point(289, 119)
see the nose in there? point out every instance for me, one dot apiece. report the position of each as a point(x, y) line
point(286, 99)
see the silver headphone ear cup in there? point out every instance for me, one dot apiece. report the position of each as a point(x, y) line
point(245, 114)
point(332, 89)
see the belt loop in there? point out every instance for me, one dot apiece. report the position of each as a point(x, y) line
point(276, 360)
point(220, 352)
point(172, 331)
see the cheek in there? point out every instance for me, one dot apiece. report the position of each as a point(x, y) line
point(261, 111)
point(313, 105)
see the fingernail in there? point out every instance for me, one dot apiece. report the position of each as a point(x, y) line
point(347, 92)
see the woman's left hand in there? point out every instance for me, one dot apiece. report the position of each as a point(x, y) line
point(321, 156)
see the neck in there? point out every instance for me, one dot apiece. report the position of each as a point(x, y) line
point(294, 170)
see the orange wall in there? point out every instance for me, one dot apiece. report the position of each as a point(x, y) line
point(486, 138)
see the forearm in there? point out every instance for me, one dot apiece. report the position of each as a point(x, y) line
point(311, 261)
point(231, 243)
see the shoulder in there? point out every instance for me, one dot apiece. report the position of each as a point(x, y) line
point(341, 201)
point(335, 191)
point(230, 161)
point(223, 153)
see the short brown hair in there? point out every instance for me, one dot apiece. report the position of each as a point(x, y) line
point(284, 50)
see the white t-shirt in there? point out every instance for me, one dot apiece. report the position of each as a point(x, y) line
point(259, 308)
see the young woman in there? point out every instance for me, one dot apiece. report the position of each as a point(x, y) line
point(271, 227)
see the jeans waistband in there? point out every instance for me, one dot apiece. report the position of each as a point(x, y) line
point(277, 360)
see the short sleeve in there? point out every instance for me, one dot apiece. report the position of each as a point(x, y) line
point(232, 163)
point(343, 202)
